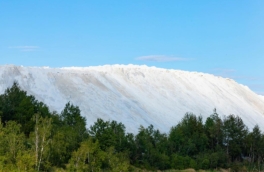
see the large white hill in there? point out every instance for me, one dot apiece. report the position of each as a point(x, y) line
point(136, 95)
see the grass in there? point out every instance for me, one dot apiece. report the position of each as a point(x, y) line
point(191, 170)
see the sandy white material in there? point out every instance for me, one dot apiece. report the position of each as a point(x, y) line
point(136, 95)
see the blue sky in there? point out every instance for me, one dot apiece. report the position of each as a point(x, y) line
point(222, 37)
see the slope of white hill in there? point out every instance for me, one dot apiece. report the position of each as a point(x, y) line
point(262, 97)
point(136, 95)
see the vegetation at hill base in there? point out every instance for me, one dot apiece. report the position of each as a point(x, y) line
point(32, 138)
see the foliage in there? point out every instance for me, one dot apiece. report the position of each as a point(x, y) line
point(89, 157)
point(188, 138)
point(17, 106)
point(68, 132)
point(41, 138)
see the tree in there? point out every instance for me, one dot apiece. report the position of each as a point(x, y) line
point(254, 146)
point(41, 139)
point(88, 157)
point(68, 132)
point(188, 137)
point(144, 143)
point(25, 161)
point(71, 117)
point(234, 132)
point(151, 148)
point(16, 105)
point(115, 162)
point(109, 133)
point(14, 155)
point(13, 141)
point(214, 131)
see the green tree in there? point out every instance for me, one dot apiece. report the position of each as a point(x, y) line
point(234, 131)
point(109, 133)
point(254, 146)
point(25, 161)
point(41, 138)
point(16, 105)
point(89, 157)
point(13, 141)
point(115, 162)
point(214, 131)
point(13, 153)
point(188, 138)
point(151, 149)
point(68, 132)
point(71, 117)
point(180, 162)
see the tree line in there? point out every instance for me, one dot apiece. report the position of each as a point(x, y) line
point(32, 138)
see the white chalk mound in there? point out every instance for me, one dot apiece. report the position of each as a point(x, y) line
point(136, 95)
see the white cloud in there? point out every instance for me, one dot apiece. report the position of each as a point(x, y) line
point(224, 70)
point(25, 48)
point(160, 58)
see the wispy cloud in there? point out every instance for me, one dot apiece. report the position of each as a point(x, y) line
point(224, 70)
point(260, 93)
point(232, 73)
point(250, 78)
point(253, 82)
point(258, 88)
point(25, 48)
point(161, 58)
